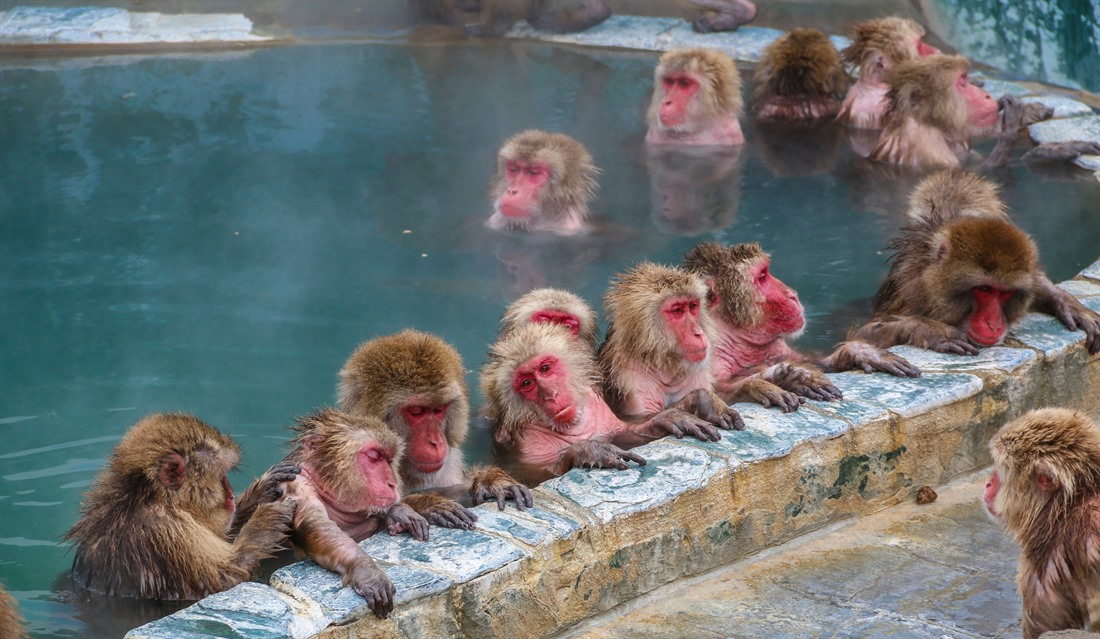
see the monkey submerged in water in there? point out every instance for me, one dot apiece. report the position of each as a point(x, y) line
point(696, 99)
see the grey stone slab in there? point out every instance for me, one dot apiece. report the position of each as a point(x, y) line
point(747, 43)
point(340, 604)
point(1080, 288)
point(907, 396)
point(534, 526)
point(461, 555)
point(771, 433)
point(1063, 107)
point(1093, 271)
point(94, 25)
point(997, 88)
point(1085, 128)
point(853, 410)
point(1045, 333)
point(672, 469)
point(246, 611)
point(997, 358)
point(1088, 162)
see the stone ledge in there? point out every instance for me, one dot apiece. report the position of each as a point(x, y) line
point(50, 26)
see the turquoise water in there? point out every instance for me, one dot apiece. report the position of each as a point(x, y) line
point(216, 234)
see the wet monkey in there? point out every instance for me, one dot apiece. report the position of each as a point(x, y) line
point(657, 350)
point(543, 183)
point(878, 45)
point(416, 384)
point(799, 78)
point(11, 624)
point(696, 99)
point(552, 306)
point(541, 388)
point(1045, 489)
point(156, 522)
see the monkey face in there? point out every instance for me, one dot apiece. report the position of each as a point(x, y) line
point(553, 316)
point(524, 182)
point(981, 108)
point(989, 496)
point(681, 316)
point(679, 90)
point(782, 311)
point(427, 444)
point(543, 381)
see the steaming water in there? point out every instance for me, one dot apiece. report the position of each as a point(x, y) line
point(217, 233)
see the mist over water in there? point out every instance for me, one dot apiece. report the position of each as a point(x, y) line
point(217, 233)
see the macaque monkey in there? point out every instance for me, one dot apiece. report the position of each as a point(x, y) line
point(722, 15)
point(416, 384)
point(878, 45)
point(799, 78)
point(156, 522)
point(496, 17)
point(11, 624)
point(347, 490)
point(541, 396)
point(551, 306)
point(754, 315)
point(696, 99)
point(963, 274)
point(657, 351)
point(543, 183)
point(1045, 489)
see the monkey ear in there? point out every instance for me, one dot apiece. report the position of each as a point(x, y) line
point(309, 442)
point(879, 64)
point(941, 248)
point(173, 468)
point(502, 436)
point(1046, 479)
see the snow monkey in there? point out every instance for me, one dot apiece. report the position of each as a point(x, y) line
point(656, 354)
point(156, 522)
point(543, 183)
point(696, 99)
point(1045, 489)
point(552, 306)
point(416, 383)
point(799, 78)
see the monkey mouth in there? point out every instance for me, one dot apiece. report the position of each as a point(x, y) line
point(427, 467)
point(566, 416)
point(696, 356)
point(508, 210)
point(990, 339)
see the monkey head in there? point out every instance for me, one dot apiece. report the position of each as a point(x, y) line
point(952, 193)
point(414, 382)
point(877, 45)
point(742, 291)
point(692, 88)
point(937, 92)
point(799, 77)
point(350, 460)
point(537, 374)
point(1043, 462)
point(981, 276)
point(542, 179)
point(552, 306)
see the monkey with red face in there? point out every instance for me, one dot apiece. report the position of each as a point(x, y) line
point(551, 306)
point(696, 99)
point(1045, 489)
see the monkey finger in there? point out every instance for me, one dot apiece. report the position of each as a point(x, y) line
point(501, 498)
point(480, 496)
point(522, 496)
point(629, 456)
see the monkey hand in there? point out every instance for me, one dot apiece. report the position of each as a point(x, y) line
point(1077, 316)
point(805, 382)
point(492, 483)
point(274, 480)
point(591, 454)
point(707, 405)
point(675, 422)
point(402, 518)
point(767, 394)
point(860, 355)
point(956, 343)
point(1016, 115)
point(443, 512)
point(370, 583)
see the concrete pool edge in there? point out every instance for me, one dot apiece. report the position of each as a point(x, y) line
point(599, 538)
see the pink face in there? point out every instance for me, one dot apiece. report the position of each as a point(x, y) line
point(682, 318)
point(544, 381)
point(427, 446)
point(568, 320)
point(981, 108)
point(526, 183)
point(376, 464)
point(987, 322)
point(990, 494)
point(679, 90)
point(782, 310)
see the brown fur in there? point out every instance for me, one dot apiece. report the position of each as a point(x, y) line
point(1049, 465)
point(727, 271)
point(520, 311)
point(893, 37)
point(799, 77)
point(923, 89)
point(719, 87)
point(155, 522)
point(11, 624)
point(956, 193)
point(572, 173)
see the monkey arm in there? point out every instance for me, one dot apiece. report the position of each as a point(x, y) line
point(706, 404)
point(891, 330)
point(1014, 117)
point(492, 483)
point(261, 536)
point(671, 421)
point(324, 542)
point(858, 355)
point(593, 454)
point(758, 390)
point(266, 489)
point(439, 510)
point(1076, 316)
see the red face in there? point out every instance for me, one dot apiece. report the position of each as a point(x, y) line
point(427, 446)
point(782, 310)
point(543, 381)
point(981, 108)
point(682, 318)
point(987, 322)
point(991, 488)
point(568, 320)
point(679, 90)
point(925, 50)
point(526, 183)
point(376, 464)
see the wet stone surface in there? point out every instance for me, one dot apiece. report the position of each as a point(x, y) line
point(1085, 128)
point(534, 526)
point(1093, 271)
point(1088, 162)
point(999, 358)
point(672, 469)
point(1063, 107)
point(906, 396)
point(1045, 333)
point(340, 604)
point(997, 88)
point(94, 25)
point(1080, 288)
point(770, 433)
point(461, 555)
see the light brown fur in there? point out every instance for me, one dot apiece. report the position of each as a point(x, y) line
point(11, 624)
point(955, 193)
point(155, 522)
point(799, 77)
point(520, 311)
point(572, 172)
point(1048, 462)
point(719, 95)
point(727, 269)
point(892, 36)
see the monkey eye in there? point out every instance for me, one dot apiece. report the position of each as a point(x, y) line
point(545, 368)
point(986, 289)
point(526, 383)
point(512, 167)
point(416, 411)
point(683, 83)
point(534, 171)
point(692, 306)
point(373, 455)
point(763, 276)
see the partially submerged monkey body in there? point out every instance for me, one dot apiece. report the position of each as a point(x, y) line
point(696, 99)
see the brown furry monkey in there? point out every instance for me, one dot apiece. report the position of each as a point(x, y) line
point(696, 99)
point(416, 383)
point(656, 354)
point(11, 624)
point(799, 78)
point(155, 524)
point(1045, 489)
point(543, 183)
point(552, 306)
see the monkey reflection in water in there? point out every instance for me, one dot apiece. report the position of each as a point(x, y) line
point(694, 190)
